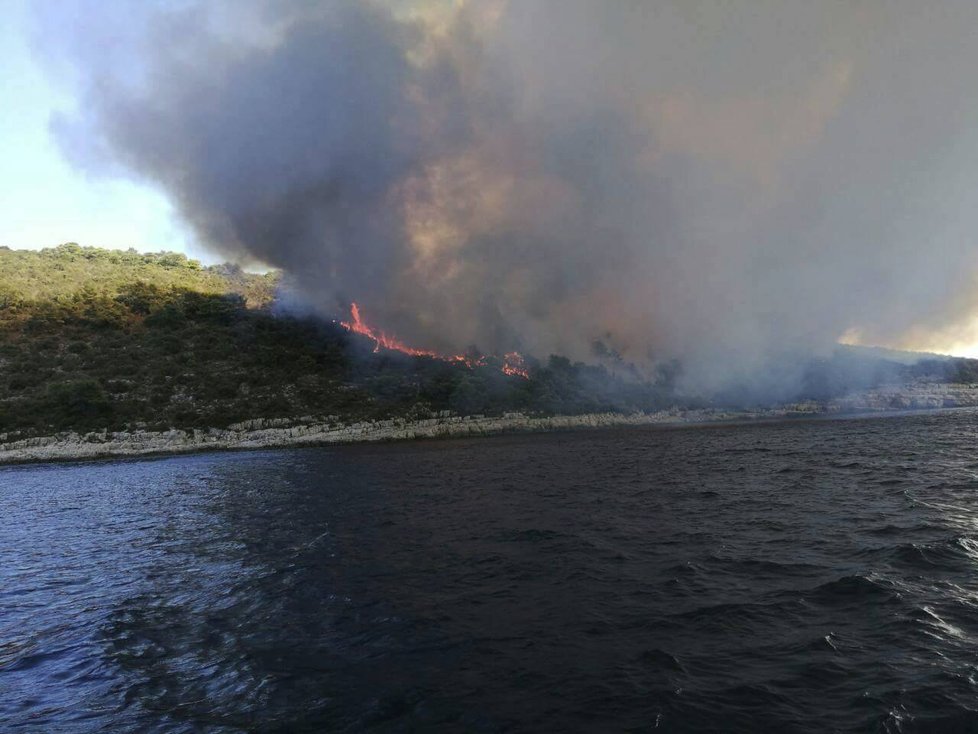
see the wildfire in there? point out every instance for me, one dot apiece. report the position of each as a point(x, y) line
point(513, 363)
point(514, 366)
point(357, 326)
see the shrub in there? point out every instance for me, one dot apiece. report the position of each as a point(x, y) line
point(78, 403)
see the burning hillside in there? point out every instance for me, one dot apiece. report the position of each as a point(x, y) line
point(513, 363)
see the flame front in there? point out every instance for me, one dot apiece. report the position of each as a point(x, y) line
point(513, 363)
point(358, 326)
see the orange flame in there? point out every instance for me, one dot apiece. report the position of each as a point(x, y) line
point(357, 326)
point(513, 364)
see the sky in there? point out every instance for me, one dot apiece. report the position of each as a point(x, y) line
point(45, 200)
point(719, 182)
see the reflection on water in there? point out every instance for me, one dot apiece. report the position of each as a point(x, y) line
point(802, 576)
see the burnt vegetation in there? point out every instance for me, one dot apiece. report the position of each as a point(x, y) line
point(93, 339)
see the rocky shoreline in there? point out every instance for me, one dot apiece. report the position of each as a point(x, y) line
point(279, 433)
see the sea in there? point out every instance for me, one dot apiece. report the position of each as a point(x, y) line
point(799, 576)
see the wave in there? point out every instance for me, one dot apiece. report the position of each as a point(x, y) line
point(855, 589)
point(949, 554)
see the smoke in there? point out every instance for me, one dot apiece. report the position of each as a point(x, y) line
point(735, 185)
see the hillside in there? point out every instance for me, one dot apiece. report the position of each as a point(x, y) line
point(93, 338)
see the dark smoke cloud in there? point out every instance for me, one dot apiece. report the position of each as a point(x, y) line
point(727, 183)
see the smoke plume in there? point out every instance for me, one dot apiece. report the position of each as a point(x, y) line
point(729, 184)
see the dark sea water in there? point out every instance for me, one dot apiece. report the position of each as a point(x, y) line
point(806, 576)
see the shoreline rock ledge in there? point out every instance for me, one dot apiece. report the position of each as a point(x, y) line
point(281, 433)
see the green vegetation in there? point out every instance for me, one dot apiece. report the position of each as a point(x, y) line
point(93, 339)
point(70, 270)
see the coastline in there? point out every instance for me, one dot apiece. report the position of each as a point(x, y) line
point(279, 433)
point(283, 433)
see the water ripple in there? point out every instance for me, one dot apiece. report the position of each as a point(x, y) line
point(804, 576)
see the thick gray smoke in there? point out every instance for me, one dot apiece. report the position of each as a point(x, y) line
point(727, 183)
